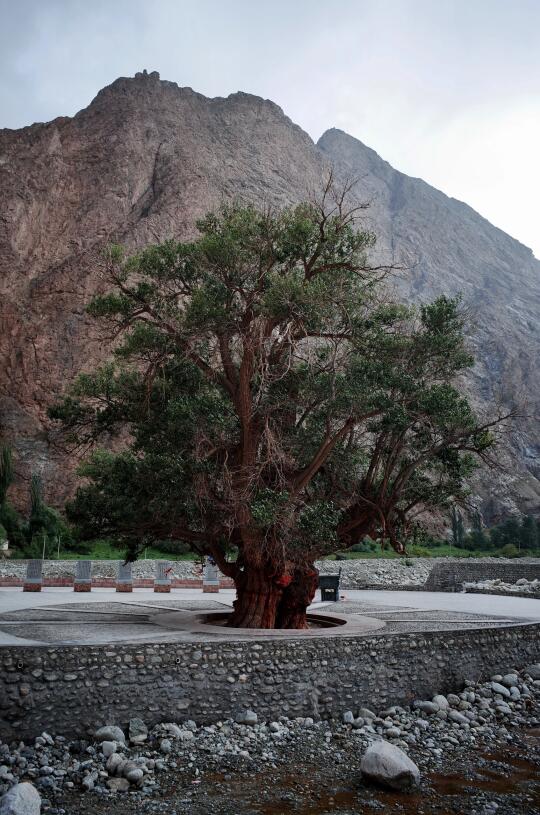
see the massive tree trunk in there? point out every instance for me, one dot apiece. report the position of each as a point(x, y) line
point(257, 599)
point(296, 598)
point(267, 600)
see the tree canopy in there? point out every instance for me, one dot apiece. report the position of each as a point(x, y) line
point(271, 399)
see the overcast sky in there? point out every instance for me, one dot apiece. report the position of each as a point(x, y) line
point(447, 90)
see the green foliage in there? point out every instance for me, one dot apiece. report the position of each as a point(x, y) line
point(268, 395)
point(6, 471)
point(13, 524)
point(509, 550)
point(529, 533)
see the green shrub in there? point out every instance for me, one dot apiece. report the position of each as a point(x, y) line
point(418, 551)
point(510, 550)
point(171, 547)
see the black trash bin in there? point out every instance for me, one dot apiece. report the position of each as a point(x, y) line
point(329, 586)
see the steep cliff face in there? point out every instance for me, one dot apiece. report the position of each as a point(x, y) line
point(141, 164)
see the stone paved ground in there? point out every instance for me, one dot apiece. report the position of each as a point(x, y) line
point(60, 616)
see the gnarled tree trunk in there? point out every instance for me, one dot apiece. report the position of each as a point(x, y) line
point(296, 598)
point(267, 600)
point(258, 596)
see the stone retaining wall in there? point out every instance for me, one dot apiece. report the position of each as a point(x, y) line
point(450, 576)
point(74, 690)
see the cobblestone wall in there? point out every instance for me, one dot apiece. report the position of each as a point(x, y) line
point(74, 690)
point(450, 576)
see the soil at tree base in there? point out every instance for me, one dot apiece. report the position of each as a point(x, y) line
point(505, 780)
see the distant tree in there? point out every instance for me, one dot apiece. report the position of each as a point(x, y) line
point(271, 399)
point(529, 532)
point(477, 539)
point(507, 532)
point(9, 517)
point(458, 530)
point(45, 527)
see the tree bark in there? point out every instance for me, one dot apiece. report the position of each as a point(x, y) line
point(296, 597)
point(257, 599)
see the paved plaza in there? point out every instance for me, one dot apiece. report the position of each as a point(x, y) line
point(60, 616)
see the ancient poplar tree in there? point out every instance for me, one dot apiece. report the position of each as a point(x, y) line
point(271, 402)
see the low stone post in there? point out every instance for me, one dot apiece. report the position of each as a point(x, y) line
point(34, 579)
point(162, 582)
point(83, 576)
point(124, 580)
point(210, 576)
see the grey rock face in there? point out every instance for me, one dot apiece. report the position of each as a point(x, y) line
point(387, 765)
point(22, 799)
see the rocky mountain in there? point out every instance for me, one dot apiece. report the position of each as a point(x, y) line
point(142, 163)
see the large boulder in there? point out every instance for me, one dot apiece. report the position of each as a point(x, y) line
point(22, 799)
point(387, 765)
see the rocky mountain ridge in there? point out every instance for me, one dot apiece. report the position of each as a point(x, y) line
point(142, 162)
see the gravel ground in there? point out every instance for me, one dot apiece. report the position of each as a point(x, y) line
point(478, 752)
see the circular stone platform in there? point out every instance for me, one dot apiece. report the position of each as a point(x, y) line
point(191, 616)
point(103, 623)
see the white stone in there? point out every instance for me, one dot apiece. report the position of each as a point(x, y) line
point(110, 733)
point(108, 748)
point(441, 702)
point(388, 765)
point(22, 799)
point(134, 776)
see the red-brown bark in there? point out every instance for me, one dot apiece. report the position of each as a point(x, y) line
point(257, 599)
point(296, 598)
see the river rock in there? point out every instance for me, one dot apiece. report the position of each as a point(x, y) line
point(108, 748)
point(533, 670)
point(22, 799)
point(387, 765)
point(246, 717)
point(135, 776)
point(496, 687)
point(138, 731)
point(110, 733)
point(456, 716)
point(426, 707)
point(118, 784)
